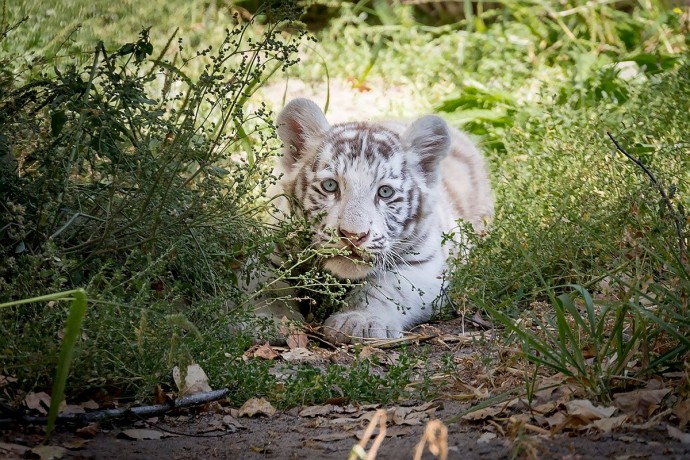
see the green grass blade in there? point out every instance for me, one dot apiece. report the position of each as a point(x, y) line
point(76, 314)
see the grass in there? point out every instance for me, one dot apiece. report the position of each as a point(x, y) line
point(176, 202)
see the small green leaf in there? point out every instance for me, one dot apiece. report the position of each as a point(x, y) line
point(126, 49)
point(57, 122)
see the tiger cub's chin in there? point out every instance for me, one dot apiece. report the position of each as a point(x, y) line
point(344, 268)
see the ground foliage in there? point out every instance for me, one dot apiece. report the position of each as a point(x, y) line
point(134, 168)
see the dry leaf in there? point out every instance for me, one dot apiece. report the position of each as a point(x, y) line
point(298, 355)
point(49, 452)
point(39, 401)
point(89, 431)
point(585, 409)
point(482, 414)
point(298, 340)
point(232, 423)
point(90, 405)
point(17, 449)
point(139, 434)
point(195, 381)
point(556, 419)
point(315, 411)
point(265, 352)
point(682, 411)
point(73, 409)
point(608, 424)
point(75, 444)
point(6, 380)
point(640, 402)
point(679, 435)
point(257, 406)
point(486, 438)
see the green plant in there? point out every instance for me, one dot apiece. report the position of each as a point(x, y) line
point(72, 327)
point(141, 181)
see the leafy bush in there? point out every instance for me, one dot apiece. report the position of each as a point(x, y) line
point(141, 184)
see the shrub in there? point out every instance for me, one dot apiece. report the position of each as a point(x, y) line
point(140, 183)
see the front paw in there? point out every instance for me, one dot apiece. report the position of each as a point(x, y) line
point(353, 325)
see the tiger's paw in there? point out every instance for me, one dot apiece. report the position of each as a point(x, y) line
point(351, 326)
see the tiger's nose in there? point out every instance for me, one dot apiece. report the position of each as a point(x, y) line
point(356, 239)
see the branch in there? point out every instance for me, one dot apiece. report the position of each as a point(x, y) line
point(664, 197)
point(142, 411)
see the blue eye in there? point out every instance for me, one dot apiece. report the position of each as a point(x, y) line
point(329, 185)
point(386, 191)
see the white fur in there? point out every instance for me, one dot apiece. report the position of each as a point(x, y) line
point(404, 273)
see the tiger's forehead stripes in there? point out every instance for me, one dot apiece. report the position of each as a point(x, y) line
point(360, 139)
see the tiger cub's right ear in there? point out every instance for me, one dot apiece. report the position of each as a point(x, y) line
point(299, 122)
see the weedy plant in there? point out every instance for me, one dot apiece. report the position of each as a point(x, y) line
point(141, 184)
point(72, 328)
point(614, 226)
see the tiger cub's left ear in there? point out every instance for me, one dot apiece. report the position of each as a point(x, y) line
point(298, 123)
point(429, 139)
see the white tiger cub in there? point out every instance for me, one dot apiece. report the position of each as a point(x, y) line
point(387, 191)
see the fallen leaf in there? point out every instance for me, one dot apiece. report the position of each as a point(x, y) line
point(38, 401)
point(679, 435)
point(232, 423)
point(482, 414)
point(608, 424)
point(486, 438)
point(344, 421)
point(73, 409)
point(265, 352)
point(408, 416)
point(315, 411)
point(479, 321)
point(369, 351)
point(298, 340)
point(16, 449)
point(585, 409)
point(682, 411)
point(195, 380)
point(640, 402)
point(140, 434)
point(556, 419)
point(6, 380)
point(49, 452)
point(257, 406)
point(90, 405)
point(75, 444)
point(89, 431)
point(298, 355)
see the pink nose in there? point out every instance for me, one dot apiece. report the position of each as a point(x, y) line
point(355, 239)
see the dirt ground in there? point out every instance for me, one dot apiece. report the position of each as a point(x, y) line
point(287, 435)
point(555, 427)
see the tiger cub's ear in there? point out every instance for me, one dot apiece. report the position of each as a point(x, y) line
point(299, 122)
point(429, 139)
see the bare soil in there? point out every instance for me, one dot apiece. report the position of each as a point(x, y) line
point(218, 431)
point(288, 436)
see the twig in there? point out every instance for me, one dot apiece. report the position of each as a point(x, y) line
point(436, 437)
point(142, 411)
point(358, 452)
point(664, 197)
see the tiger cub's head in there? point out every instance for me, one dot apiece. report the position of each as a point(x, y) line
point(370, 187)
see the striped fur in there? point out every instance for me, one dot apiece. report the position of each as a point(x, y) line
point(383, 194)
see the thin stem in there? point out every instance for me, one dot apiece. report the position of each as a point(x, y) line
point(664, 197)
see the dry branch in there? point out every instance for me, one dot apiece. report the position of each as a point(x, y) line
point(142, 411)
